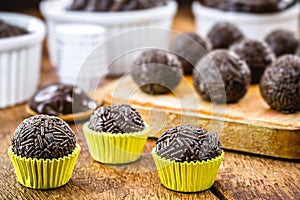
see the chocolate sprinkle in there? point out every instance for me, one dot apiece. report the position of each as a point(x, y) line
point(115, 5)
point(61, 99)
point(8, 30)
point(157, 71)
point(235, 74)
point(190, 48)
point(280, 84)
point(43, 136)
point(258, 55)
point(116, 119)
point(224, 34)
point(282, 42)
point(188, 143)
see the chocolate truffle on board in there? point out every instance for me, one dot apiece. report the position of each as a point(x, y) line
point(234, 72)
point(224, 34)
point(258, 55)
point(280, 84)
point(115, 5)
point(189, 47)
point(282, 42)
point(43, 136)
point(188, 143)
point(157, 71)
point(61, 99)
point(8, 30)
point(116, 119)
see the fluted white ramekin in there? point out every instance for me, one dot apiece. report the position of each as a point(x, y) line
point(20, 59)
point(255, 26)
point(56, 12)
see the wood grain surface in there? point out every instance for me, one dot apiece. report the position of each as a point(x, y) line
point(241, 176)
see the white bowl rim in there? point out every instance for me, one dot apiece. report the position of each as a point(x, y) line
point(36, 36)
point(56, 10)
point(200, 11)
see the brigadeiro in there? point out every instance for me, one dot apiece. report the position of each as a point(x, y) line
point(282, 42)
point(298, 51)
point(44, 152)
point(116, 5)
point(258, 55)
point(185, 150)
point(224, 34)
point(116, 134)
point(157, 71)
point(61, 99)
point(280, 84)
point(234, 77)
point(190, 48)
point(7, 30)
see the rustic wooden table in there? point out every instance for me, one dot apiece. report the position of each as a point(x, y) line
point(241, 176)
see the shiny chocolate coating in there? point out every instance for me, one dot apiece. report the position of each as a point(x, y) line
point(8, 30)
point(61, 99)
point(235, 75)
point(224, 34)
point(249, 6)
point(258, 55)
point(188, 143)
point(282, 42)
point(280, 84)
point(115, 5)
point(190, 48)
point(43, 136)
point(157, 71)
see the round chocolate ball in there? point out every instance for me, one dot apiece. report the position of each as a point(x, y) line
point(116, 119)
point(43, 136)
point(234, 72)
point(157, 71)
point(190, 48)
point(282, 42)
point(224, 34)
point(280, 84)
point(188, 143)
point(61, 99)
point(258, 55)
point(298, 51)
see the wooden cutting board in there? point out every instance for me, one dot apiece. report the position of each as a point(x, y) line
point(248, 126)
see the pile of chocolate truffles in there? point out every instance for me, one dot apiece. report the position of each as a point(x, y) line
point(239, 62)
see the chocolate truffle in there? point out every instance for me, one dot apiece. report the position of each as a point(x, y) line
point(115, 5)
point(189, 47)
point(280, 84)
point(43, 136)
point(249, 6)
point(61, 99)
point(188, 143)
point(157, 71)
point(223, 34)
point(234, 72)
point(282, 42)
point(116, 119)
point(8, 30)
point(298, 51)
point(258, 55)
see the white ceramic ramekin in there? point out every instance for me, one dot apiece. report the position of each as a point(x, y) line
point(255, 26)
point(20, 59)
point(56, 12)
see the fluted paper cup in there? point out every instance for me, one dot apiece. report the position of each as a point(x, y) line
point(44, 173)
point(115, 148)
point(187, 176)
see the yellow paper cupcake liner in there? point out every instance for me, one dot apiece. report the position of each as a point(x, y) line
point(187, 176)
point(44, 173)
point(119, 148)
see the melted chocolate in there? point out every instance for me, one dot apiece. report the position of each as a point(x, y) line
point(58, 99)
point(249, 6)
